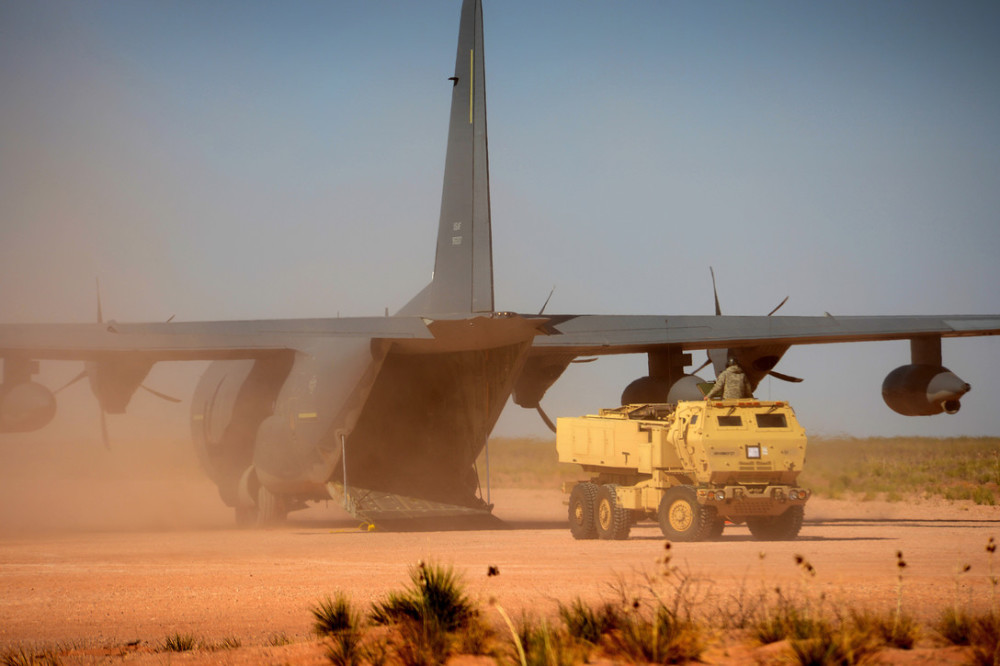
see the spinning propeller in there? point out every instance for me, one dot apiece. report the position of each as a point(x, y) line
point(91, 369)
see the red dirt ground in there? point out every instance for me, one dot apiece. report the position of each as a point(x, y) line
point(89, 564)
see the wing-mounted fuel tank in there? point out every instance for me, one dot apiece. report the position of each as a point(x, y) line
point(924, 387)
point(923, 390)
point(24, 404)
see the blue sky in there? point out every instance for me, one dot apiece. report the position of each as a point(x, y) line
point(228, 160)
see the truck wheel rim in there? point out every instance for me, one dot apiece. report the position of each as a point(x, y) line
point(681, 516)
point(604, 513)
point(578, 514)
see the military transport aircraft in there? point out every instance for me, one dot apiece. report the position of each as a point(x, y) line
point(390, 413)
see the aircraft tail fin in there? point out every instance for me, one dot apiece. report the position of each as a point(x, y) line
point(463, 265)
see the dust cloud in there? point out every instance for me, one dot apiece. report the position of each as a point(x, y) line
point(62, 478)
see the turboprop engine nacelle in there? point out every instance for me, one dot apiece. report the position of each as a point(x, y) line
point(25, 406)
point(653, 389)
point(923, 390)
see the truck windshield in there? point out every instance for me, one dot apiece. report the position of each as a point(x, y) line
point(771, 421)
point(730, 421)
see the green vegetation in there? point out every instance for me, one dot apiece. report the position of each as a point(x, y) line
point(526, 463)
point(179, 643)
point(431, 616)
point(25, 657)
point(337, 620)
point(958, 468)
point(229, 643)
point(664, 620)
point(890, 468)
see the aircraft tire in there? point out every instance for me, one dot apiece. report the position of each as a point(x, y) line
point(783, 527)
point(582, 500)
point(270, 508)
point(682, 518)
point(612, 521)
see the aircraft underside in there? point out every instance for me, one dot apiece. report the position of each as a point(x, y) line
point(425, 419)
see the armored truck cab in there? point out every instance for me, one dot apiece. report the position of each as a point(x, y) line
point(692, 467)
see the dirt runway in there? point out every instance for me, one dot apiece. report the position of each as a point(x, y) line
point(103, 586)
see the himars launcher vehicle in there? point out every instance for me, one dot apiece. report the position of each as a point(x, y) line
point(396, 409)
point(692, 467)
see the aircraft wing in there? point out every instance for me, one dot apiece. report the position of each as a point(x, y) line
point(195, 340)
point(588, 335)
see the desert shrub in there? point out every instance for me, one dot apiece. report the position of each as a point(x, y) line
point(25, 657)
point(588, 624)
point(337, 620)
point(986, 641)
point(427, 614)
point(662, 638)
point(436, 597)
point(543, 645)
point(958, 468)
point(982, 495)
point(956, 626)
point(886, 629)
point(789, 618)
point(331, 616)
point(833, 647)
point(179, 642)
point(228, 643)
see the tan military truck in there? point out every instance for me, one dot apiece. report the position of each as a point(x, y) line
point(692, 466)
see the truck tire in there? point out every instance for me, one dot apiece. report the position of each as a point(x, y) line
point(681, 517)
point(582, 501)
point(612, 521)
point(715, 528)
point(783, 527)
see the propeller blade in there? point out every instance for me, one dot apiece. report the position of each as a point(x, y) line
point(718, 310)
point(547, 299)
point(166, 397)
point(100, 316)
point(702, 366)
point(545, 417)
point(778, 307)
point(104, 430)
point(71, 382)
point(785, 378)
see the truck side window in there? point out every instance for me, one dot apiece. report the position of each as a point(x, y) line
point(771, 421)
point(694, 419)
point(730, 421)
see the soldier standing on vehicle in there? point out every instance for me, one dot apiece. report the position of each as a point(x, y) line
point(731, 383)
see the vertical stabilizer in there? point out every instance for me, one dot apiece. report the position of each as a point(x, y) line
point(463, 264)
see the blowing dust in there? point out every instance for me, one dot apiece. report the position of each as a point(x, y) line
point(62, 478)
